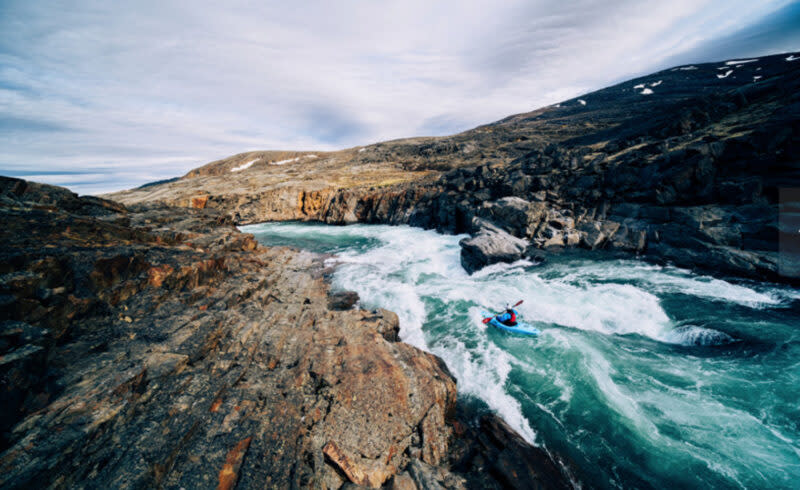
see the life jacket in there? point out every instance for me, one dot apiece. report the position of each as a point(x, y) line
point(509, 318)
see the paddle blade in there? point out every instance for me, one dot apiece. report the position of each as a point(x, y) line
point(487, 320)
point(518, 303)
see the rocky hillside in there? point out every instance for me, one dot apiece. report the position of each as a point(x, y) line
point(684, 165)
point(155, 347)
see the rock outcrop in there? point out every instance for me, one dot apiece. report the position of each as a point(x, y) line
point(490, 245)
point(151, 346)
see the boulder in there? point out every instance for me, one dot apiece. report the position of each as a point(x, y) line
point(342, 300)
point(595, 233)
point(514, 215)
point(560, 221)
point(630, 237)
point(549, 237)
point(490, 245)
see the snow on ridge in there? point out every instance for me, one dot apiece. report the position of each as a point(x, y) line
point(291, 160)
point(581, 102)
point(283, 162)
point(686, 68)
point(361, 150)
point(646, 91)
point(244, 166)
point(656, 84)
point(726, 74)
point(740, 62)
point(641, 85)
point(792, 57)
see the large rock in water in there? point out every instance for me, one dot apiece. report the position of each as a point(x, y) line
point(490, 245)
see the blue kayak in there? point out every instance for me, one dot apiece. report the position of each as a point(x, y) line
point(520, 327)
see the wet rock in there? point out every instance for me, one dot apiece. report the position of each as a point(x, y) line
point(490, 454)
point(342, 300)
point(490, 245)
point(514, 462)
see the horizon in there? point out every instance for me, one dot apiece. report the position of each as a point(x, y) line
point(90, 103)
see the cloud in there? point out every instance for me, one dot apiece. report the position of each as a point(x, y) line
point(776, 32)
point(146, 90)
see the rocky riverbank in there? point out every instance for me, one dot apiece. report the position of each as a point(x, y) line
point(690, 172)
point(151, 346)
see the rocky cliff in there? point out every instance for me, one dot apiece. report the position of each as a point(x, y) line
point(685, 165)
point(152, 346)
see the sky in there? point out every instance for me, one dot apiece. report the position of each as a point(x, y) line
point(101, 96)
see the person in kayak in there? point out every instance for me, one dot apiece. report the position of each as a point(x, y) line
point(509, 318)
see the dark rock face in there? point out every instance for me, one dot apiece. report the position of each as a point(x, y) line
point(491, 455)
point(343, 300)
point(159, 347)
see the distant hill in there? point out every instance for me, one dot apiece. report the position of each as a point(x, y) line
point(696, 152)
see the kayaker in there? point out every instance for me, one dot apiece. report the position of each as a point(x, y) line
point(509, 318)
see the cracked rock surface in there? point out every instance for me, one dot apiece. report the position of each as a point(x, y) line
point(159, 347)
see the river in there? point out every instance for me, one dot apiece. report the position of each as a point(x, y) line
point(643, 375)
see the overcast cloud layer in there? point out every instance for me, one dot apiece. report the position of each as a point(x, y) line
point(101, 96)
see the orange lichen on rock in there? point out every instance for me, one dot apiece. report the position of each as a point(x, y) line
point(229, 473)
point(199, 202)
point(157, 274)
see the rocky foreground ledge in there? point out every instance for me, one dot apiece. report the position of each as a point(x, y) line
point(159, 347)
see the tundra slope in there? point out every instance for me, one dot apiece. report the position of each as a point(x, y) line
point(684, 165)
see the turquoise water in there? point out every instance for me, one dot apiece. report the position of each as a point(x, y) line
point(644, 376)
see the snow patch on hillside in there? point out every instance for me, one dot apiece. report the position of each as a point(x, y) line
point(244, 166)
point(284, 162)
point(646, 91)
point(792, 57)
point(740, 62)
point(581, 102)
point(725, 75)
point(291, 160)
point(656, 84)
